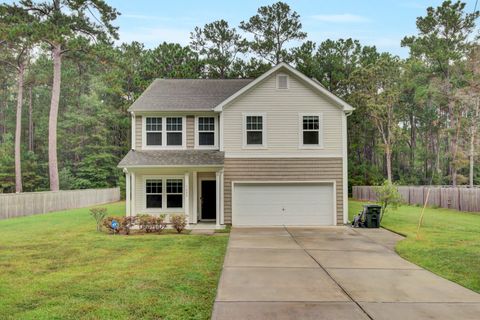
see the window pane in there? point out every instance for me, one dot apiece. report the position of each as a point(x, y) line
point(206, 138)
point(153, 124)
point(154, 200)
point(174, 201)
point(310, 123)
point(254, 122)
point(154, 186)
point(310, 137)
point(254, 137)
point(174, 139)
point(154, 138)
point(174, 124)
point(206, 124)
point(174, 186)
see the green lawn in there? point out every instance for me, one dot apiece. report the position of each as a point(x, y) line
point(56, 266)
point(449, 242)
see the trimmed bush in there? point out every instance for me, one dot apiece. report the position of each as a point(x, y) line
point(149, 223)
point(178, 221)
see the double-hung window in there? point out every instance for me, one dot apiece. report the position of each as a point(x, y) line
point(254, 130)
point(311, 130)
point(174, 131)
point(153, 130)
point(154, 193)
point(164, 193)
point(206, 131)
point(174, 193)
point(164, 132)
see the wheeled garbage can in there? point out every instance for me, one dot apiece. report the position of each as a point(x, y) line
point(372, 215)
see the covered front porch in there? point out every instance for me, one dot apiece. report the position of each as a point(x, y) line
point(188, 182)
point(196, 192)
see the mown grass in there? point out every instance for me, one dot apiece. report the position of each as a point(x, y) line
point(448, 244)
point(56, 266)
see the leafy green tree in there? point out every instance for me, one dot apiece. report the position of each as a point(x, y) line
point(170, 60)
point(219, 45)
point(443, 41)
point(273, 27)
point(388, 197)
point(62, 24)
point(7, 165)
point(17, 40)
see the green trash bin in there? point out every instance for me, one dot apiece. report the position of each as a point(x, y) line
point(372, 215)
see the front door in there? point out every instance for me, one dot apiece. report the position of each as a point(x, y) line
point(208, 200)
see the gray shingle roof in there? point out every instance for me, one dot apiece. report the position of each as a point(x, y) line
point(187, 94)
point(172, 158)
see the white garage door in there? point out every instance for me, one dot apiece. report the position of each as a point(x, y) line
point(262, 204)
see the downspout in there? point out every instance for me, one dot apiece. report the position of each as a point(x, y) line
point(345, 165)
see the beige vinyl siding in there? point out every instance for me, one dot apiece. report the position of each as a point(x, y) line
point(277, 169)
point(282, 109)
point(138, 132)
point(190, 132)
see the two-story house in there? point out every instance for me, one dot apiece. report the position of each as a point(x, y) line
point(263, 152)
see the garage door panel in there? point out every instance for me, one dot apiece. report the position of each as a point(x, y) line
point(283, 204)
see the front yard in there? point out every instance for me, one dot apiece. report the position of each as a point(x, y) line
point(56, 266)
point(449, 243)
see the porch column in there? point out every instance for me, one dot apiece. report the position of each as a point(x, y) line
point(127, 192)
point(195, 197)
point(221, 198)
point(133, 210)
point(186, 193)
point(217, 198)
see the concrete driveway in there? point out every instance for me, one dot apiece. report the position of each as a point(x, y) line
point(331, 273)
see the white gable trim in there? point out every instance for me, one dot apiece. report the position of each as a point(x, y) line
point(342, 104)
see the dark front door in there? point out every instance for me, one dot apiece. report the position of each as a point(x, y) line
point(208, 199)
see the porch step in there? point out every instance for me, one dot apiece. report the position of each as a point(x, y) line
point(203, 231)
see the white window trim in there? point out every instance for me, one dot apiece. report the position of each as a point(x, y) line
point(215, 134)
point(164, 208)
point(164, 134)
point(320, 131)
point(276, 82)
point(264, 131)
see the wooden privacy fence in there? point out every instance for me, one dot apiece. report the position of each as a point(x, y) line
point(29, 203)
point(459, 198)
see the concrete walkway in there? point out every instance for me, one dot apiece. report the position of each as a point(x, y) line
point(331, 273)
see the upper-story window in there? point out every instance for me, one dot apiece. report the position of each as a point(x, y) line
point(174, 131)
point(254, 133)
point(153, 131)
point(206, 132)
point(311, 135)
point(164, 132)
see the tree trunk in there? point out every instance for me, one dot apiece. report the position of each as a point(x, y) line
point(18, 130)
point(473, 129)
point(388, 159)
point(30, 119)
point(52, 121)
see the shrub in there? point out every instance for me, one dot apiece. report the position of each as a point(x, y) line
point(388, 196)
point(107, 223)
point(178, 221)
point(98, 214)
point(126, 223)
point(149, 223)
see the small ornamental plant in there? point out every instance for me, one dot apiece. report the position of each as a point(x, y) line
point(178, 221)
point(107, 223)
point(98, 214)
point(149, 223)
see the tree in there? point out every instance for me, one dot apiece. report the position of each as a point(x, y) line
point(60, 23)
point(381, 91)
point(388, 197)
point(170, 60)
point(442, 42)
point(272, 28)
point(219, 45)
point(17, 40)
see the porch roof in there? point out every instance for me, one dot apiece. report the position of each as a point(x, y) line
point(172, 158)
